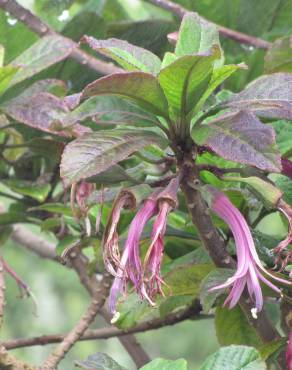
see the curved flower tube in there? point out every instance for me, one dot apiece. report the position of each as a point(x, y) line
point(249, 270)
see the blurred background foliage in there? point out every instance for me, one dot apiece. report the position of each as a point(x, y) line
point(61, 299)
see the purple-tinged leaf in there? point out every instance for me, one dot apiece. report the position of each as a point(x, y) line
point(185, 80)
point(143, 88)
point(72, 101)
point(269, 96)
point(94, 153)
point(39, 109)
point(240, 137)
point(41, 55)
point(112, 110)
point(279, 56)
point(130, 57)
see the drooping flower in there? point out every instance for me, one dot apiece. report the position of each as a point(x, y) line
point(250, 271)
point(289, 353)
point(110, 242)
point(130, 266)
point(145, 277)
point(286, 167)
point(167, 201)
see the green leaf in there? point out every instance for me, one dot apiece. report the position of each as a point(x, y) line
point(133, 311)
point(91, 154)
point(9, 218)
point(240, 137)
point(186, 279)
point(219, 75)
point(232, 327)
point(279, 56)
point(268, 96)
point(112, 110)
point(58, 208)
point(213, 279)
point(234, 358)
point(195, 35)
point(283, 131)
point(185, 80)
point(143, 88)
point(130, 57)
point(267, 350)
point(36, 191)
point(162, 364)
point(66, 242)
point(6, 75)
point(285, 184)
point(41, 55)
point(99, 361)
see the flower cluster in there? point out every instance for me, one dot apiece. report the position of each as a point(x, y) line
point(144, 275)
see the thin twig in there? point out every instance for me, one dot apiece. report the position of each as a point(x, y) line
point(135, 350)
point(192, 311)
point(243, 38)
point(9, 362)
point(71, 338)
point(42, 29)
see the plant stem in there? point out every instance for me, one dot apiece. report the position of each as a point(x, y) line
point(192, 311)
point(74, 335)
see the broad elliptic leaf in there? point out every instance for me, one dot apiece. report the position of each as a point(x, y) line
point(234, 358)
point(38, 108)
point(112, 110)
point(130, 57)
point(162, 364)
point(36, 191)
point(143, 88)
point(240, 137)
point(232, 327)
point(93, 153)
point(185, 80)
point(195, 35)
point(99, 361)
point(45, 52)
point(268, 96)
point(186, 279)
point(279, 56)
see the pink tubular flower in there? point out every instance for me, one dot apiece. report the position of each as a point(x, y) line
point(145, 277)
point(130, 266)
point(167, 201)
point(289, 353)
point(249, 267)
point(286, 167)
